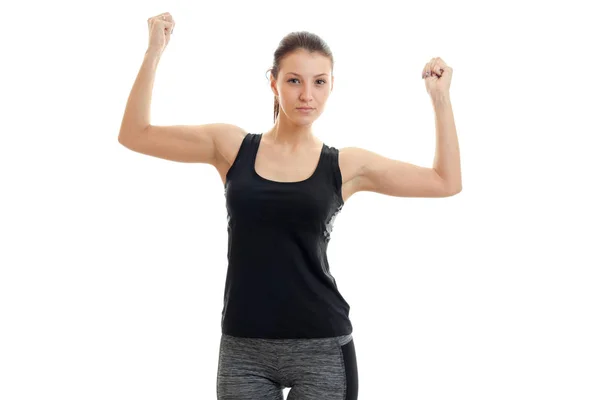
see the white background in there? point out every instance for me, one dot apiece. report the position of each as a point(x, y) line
point(113, 263)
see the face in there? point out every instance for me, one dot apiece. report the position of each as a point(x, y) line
point(304, 80)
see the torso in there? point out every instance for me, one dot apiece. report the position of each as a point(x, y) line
point(276, 166)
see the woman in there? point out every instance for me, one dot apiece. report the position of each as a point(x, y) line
point(284, 322)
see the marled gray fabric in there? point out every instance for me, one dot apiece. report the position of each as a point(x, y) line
point(259, 369)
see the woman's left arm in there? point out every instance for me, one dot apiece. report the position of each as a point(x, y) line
point(438, 75)
point(373, 172)
point(447, 155)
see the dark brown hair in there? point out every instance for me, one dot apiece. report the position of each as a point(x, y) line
point(292, 42)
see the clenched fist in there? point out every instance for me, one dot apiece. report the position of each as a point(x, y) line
point(160, 28)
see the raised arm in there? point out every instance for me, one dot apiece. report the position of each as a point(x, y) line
point(181, 143)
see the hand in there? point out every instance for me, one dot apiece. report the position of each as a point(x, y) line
point(160, 28)
point(437, 77)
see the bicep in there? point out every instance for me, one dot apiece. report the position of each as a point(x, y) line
point(380, 174)
point(182, 143)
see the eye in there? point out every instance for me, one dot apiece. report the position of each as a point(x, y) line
point(322, 80)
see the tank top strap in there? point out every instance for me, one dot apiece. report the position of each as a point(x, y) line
point(252, 147)
point(245, 155)
point(333, 168)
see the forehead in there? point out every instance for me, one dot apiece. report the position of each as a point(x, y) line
point(303, 62)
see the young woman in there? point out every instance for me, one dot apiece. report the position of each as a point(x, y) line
point(284, 322)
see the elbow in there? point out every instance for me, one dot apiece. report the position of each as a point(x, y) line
point(124, 140)
point(454, 192)
point(125, 135)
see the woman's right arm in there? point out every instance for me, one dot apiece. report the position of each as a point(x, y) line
point(181, 143)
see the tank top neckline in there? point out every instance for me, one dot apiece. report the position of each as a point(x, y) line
point(260, 135)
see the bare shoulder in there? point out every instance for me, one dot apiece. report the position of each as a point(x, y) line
point(351, 162)
point(227, 147)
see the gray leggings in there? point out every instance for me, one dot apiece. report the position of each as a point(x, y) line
point(314, 369)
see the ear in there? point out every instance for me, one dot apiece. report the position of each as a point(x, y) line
point(274, 86)
point(332, 80)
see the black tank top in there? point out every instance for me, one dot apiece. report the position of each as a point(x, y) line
point(278, 283)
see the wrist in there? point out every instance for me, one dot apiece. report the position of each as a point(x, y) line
point(440, 98)
point(153, 52)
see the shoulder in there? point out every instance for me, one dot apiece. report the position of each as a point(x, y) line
point(230, 145)
point(351, 161)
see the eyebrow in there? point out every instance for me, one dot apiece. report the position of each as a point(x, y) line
point(293, 73)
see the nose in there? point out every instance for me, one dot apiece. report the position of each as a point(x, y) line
point(305, 95)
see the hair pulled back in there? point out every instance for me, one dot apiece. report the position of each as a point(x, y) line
point(290, 43)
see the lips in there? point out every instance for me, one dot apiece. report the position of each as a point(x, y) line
point(305, 108)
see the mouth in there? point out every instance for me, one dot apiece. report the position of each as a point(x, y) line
point(304, 108)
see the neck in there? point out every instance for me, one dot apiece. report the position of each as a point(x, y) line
point(289, 135)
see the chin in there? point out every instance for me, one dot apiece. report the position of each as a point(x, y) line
point(303, 122)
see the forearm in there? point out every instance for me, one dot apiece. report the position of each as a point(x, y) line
point(447, 154)
point(137, 112)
